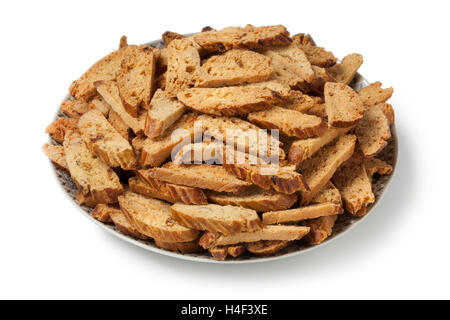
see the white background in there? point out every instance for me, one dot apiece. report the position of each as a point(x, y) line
point(49, 250)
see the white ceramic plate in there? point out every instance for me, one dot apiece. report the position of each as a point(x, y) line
point(343, 224)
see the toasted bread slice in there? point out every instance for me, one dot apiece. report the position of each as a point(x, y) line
point(135, 79)
point(301, 150)
point(216, 218)
point(375, 165)
point(103, 70)
point(233, 68)
point(321, 76)
point(318, 169)
point(249, 37)
point(164, 111)
point(283, 73)
point(282, 179)
point(56, 155)
point(293, 58)
point(280, 232)
point(85, 199)
point(343, 105)
point(110, 92)
point(156, 150)
point(169, 36)
point(321, 229)
point(388, 111)
point(274, 85)
point(245, 136)
point(303, 39)
point(299, 101)
point(154, 219)
point(290, 122)
point(58, 129)
point(199, 176)
point(102, 212)
point(355, 187)
point(302, 213)
point(181, 247)
point(121, 127)
point(166, 191)
point(102, 139)
point(257, 199)
point(91, 174)
point(183, 61)
point(221, 253)
point(318, 110)
point(373, 131)
point(100, 104)
point(74, 108)
point(229, 101)
point(328, 194)
point(121, 222)
point(373, 94)
point(346, 70)
point(266, 247)
point(318, 56)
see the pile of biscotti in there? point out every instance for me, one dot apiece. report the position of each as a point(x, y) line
point(116, 140)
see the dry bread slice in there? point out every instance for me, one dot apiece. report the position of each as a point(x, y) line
point(102, 212)
point(58, 129)
point(249, 37)
point(321, 228)
point(154, 188)
point(274, 85)
point(318, 56)
point(154, 219)
point(299, 101)
point(321, 76)
point(283, 73)
point(279, 232)
point(203, 176)
point(221, 253)
point(346, 70)
point(163, 112)
point(303, 39)
point(232, 68)
point(302, 213)
point(169, 36)
point(245, 136)
point(181, 247)
point(266, 247)
point(56, 155)
point(121, 127)
point(284, 179)
point(102, 139)
point(183, 61)
point(388, 111)
point(256, 198)
point(293, 58)
point(103, 70)
point(355, 188)
point(290, 122)
point(342, 105)
point(328, 194)
point(318, 110)
point(318, 169)
point(373, 94)
point(123, 225)
point(216, 218)
point(375, 165)
point(156, 150)
point(110, 92)
point(74, 108)
point(85, 199)
point(373, 131)
point(135, 79)
point(100, 104)
point(92, 175)
point(301, 150)
point(229, 101)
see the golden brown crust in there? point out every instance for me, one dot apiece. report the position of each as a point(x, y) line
point(346, 70)
point(85, 199)
point(102, 212)
point(74, 108)
point(122, 223)
point(321, 228)
point(169, 36)
point(181, 247)
point(373, 94)
point(303, 39)
point(56, 154)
